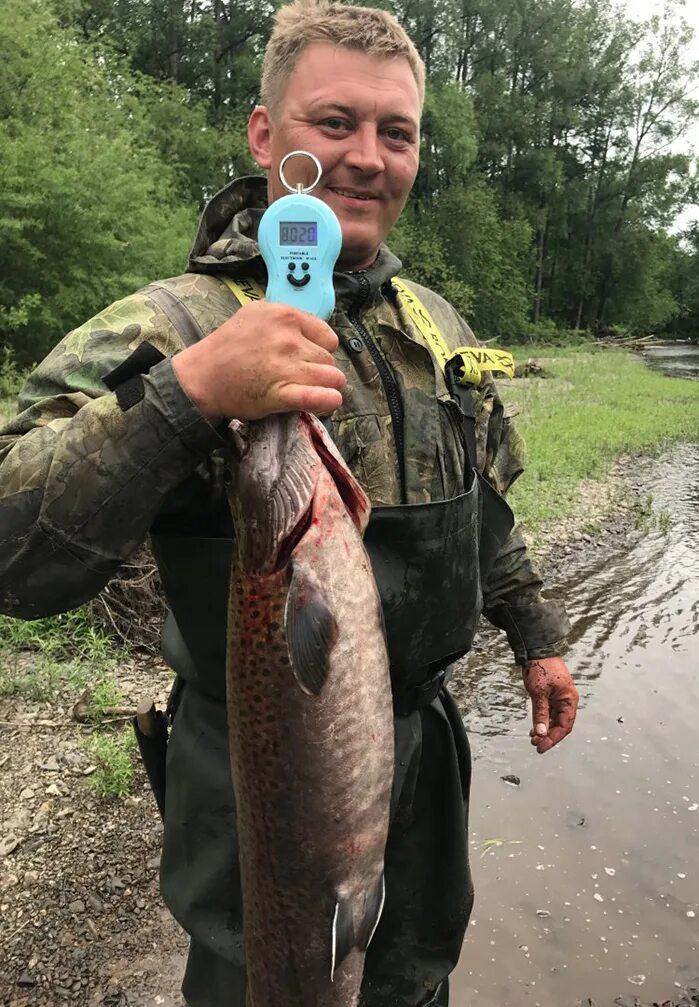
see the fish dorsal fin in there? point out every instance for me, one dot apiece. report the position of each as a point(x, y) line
point(348, 934)
point(311, 629)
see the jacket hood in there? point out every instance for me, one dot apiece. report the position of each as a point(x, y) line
point(226, 245)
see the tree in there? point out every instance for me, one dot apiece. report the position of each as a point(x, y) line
point(88, 209)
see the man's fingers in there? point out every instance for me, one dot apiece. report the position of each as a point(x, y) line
point(554, 700)
point(555, 735)
point(560, 728)
point(318, 332)
point(300, 350)
point(313, 388)
point(323, 375)
point(543, 744)
point(540, 715)
point(310, 399)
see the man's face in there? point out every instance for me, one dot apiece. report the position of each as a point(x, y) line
point(360, 116)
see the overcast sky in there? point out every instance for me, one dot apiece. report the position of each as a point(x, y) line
point(639, 10)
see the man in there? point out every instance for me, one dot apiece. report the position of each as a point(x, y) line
point(122, 434)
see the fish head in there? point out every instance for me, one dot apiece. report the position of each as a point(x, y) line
point(276, 465)
point(274, 470)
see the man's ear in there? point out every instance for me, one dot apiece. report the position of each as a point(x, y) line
point(260, 136)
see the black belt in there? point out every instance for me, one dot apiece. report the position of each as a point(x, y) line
point(409, 698)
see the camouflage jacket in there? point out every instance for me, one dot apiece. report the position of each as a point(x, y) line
point(82, 479)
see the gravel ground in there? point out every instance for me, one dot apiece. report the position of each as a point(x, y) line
point(82, 919)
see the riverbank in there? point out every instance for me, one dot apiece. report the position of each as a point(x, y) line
point(583, 424)
point(83, 922)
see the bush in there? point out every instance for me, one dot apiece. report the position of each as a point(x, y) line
point(11, 376)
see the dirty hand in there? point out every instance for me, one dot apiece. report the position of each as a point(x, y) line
point(554, 701)
point(267, 358)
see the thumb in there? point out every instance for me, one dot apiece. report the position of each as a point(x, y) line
point(540, 715)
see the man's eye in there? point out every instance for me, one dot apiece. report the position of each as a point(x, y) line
point(335, 123)
point(394, 133)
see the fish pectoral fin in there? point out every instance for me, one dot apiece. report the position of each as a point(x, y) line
point(373, 907)
point(347, 934)
point(311, 629)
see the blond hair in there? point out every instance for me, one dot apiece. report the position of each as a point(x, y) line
point(301, 22)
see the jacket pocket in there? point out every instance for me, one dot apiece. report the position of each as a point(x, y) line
point(366, 444)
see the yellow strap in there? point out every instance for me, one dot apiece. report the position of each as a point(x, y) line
point(245, 291)
point(474, 360)
point(471, 361)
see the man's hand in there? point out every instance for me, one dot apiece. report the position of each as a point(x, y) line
point(554, 701)
point(267, 358)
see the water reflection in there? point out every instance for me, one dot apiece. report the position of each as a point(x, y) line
point(587, 873)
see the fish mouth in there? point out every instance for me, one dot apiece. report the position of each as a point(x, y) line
point(354, 503)
point(353, 499)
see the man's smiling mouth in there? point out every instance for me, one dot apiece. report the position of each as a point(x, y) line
point(353, 193)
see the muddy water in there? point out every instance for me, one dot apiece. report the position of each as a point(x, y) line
point(677, 359)
point(587, 872)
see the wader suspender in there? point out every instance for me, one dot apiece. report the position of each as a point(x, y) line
point(462, 367)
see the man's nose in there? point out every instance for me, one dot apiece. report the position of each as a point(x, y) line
point(364, 152)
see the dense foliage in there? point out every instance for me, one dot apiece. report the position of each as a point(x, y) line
point(549, 182)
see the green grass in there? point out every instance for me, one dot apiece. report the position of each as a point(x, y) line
point(43, 680)
point(39, 681)
point(40, 659)
point(103, 694)
point(598, 404)
point(113, 755)
point(66, 637)
point(65, 657)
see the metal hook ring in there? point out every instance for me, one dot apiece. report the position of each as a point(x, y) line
point(300, 188)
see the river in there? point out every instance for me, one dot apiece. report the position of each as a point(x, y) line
point(587, 869)
point(678, 360)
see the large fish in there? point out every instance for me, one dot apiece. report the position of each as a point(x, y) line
point(310, 716)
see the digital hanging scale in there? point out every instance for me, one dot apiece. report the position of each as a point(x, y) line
point(300, 239)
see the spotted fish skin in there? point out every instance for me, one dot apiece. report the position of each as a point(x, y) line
point(310, 717)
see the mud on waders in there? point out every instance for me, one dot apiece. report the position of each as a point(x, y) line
point(463, 368)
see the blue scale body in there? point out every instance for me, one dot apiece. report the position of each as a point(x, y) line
point(300, 239)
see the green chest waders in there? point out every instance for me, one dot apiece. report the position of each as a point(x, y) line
point(429, 561)
point(426, 562)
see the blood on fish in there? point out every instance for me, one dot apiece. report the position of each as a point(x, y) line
point(357, 844)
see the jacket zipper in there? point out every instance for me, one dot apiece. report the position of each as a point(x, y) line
point(395, 403)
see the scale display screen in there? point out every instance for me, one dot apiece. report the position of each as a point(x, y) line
point(298, 232)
